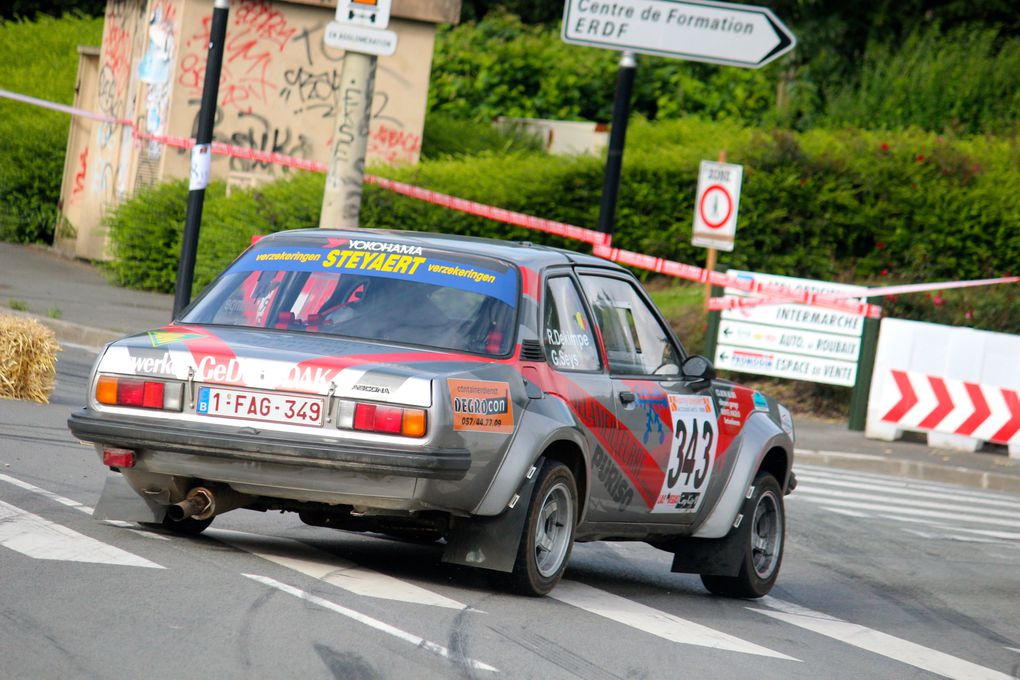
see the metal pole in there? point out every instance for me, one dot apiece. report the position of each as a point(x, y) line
point(201, 156)
point(865, 367)
point(617, 136)
point(341, 199)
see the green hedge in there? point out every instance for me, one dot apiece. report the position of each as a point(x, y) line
point(841, 205)
point(40, 59)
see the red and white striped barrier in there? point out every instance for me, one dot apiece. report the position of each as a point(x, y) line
point(932, 403)
point(762, 293)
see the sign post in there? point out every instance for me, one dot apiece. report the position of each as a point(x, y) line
point(358, 29)
point(201, 156)
point(693, 30)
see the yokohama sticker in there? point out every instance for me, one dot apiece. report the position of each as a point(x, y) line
point(692, 454)
point(481, 406)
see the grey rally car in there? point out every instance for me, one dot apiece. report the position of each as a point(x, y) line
point(506, 398)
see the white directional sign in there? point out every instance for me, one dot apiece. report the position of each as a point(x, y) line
point(353, 38)
point(791, 341)
point(715, 32)
point(715, 208)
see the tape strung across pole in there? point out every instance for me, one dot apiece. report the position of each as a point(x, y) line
point(762, 293)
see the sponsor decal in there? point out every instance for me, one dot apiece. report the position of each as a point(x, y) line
point(160, 338)
point(692, 454)
point(388, 260)
point(760, 402)
point(613, 479)
point(156, 362)
point(651, 401)
point(481, 406)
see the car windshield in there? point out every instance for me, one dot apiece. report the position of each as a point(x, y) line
point(370, 289)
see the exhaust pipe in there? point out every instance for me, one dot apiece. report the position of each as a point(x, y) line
point(203, 503)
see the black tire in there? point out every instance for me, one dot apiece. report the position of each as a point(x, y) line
point(548, 535)
point(764, 543)
point(189, 526)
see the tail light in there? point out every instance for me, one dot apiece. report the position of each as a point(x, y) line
point(382, 418)
point(139, 392)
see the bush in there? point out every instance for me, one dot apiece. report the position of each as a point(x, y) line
point(843, 205)
point(964, 81)
point(501, 67)
point(39, 59)
point(446, 135)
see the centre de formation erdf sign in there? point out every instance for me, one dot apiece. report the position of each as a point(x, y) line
point(714, 32)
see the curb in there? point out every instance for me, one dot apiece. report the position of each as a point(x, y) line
point(71, 333)
point(930, 472)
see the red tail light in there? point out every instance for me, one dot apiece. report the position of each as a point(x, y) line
point(407, 422)
point(119, 458)
point(156, 394)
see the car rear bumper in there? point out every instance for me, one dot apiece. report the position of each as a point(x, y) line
point(267, 447)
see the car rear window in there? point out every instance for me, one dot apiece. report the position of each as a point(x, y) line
point(371, 289)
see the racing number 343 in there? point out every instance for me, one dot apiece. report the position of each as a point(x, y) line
point(693, 445)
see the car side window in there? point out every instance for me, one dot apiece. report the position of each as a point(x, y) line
point(569, 341)
point(636, 343)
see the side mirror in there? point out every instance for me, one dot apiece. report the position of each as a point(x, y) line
point(698, 368)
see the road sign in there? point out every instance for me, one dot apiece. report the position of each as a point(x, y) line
point(791, 341)
point(369, 13)
point(360, 39)
point(714, 32)
point(715, 208)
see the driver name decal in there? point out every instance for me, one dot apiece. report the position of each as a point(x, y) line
point(692, 453)
point(481, 406)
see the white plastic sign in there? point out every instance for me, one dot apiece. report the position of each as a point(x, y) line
point(715, 207)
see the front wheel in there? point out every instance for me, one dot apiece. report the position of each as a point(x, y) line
point(548, 532)
point(764, 544)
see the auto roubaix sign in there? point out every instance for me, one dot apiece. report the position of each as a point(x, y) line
point(715, 32)
point(791, 341)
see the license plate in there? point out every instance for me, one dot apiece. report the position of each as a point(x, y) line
point(273, 408)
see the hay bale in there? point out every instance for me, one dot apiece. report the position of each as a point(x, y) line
point(28, 359)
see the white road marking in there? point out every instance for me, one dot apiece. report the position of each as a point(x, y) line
point(875, 504)
point(810, 481)
point(877, 642)
point(334, 570)
point(953, 537)
point(654, 621)
point(841, 454)
point(848, 513)
point(1013, 649)
point(910, 502)
point(41, 539)
point(80, 507)
point(372, 623)
point(896, 482)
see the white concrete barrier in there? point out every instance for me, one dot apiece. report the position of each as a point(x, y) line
point(960, 385)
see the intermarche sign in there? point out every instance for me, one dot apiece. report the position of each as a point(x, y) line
point(791, 340)
point(714, 32)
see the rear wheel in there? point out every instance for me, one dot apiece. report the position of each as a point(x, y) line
point(548, 532)
point(764, 544)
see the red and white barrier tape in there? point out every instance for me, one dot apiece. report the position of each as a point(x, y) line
point(822, 299)
point(777, 292)
point(763, 293)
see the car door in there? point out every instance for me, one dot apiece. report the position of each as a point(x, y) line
point(579, 378)
point(668, 444)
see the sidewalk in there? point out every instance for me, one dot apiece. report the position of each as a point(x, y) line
point(94, 312)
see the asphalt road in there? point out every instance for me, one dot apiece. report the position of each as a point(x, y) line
point(883, 578)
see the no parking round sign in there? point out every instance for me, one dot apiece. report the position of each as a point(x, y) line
point(715, 210)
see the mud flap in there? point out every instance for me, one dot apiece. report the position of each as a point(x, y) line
point(714, 556)
point(492, 542)
point(120, 502)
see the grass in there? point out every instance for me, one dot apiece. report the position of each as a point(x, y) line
point(54, 313)
point(18, 305)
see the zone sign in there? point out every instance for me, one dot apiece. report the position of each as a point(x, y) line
point(715, 208)
point(369, 13)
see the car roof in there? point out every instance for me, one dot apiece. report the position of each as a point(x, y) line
point(524, 253)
